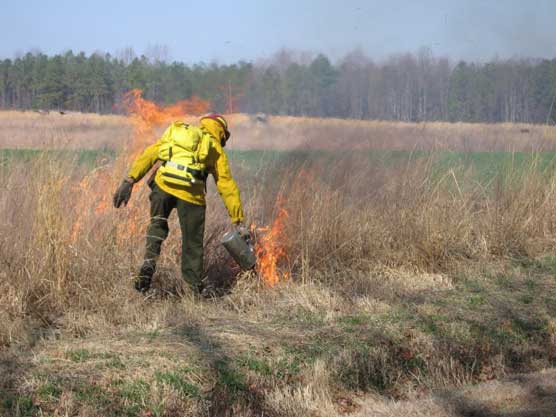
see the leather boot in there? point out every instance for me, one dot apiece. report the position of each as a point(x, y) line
point(144, 278)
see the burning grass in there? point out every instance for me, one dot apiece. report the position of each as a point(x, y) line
point(379, 278)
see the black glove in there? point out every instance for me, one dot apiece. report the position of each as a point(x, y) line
point(123, 193)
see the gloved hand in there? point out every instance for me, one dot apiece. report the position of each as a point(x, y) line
point(243, 230)
point(123, 193)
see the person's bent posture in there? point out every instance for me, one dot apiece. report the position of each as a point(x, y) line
point(188, 154)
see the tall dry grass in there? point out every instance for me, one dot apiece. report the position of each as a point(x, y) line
point(361, 238)
point(67, 253)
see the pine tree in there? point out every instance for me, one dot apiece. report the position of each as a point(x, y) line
point(52, 90)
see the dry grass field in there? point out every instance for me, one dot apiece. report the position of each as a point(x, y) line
point(89, 131)
point(406, 278)
point(23, 130)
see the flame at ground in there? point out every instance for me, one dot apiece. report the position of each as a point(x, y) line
point(271, 247)
point(270, 250)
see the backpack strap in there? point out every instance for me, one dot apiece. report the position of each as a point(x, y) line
point(180, 124)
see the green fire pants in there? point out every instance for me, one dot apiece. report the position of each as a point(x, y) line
point(192, 224)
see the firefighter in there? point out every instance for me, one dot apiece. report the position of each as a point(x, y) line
point(189, 154)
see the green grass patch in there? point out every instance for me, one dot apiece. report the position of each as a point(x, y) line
point(153, 334)
point(115, 362)
point(487, 163)
point(281, 367)
point(251, 361)
point(476, 300)
point(353, 320)
point(134, 395)
point(83, 157)
point(19, 405)
point(177, 380)
point(49, 391)
point(230, 378)
point(93, 395)
point(78, 355)
point(543, 265)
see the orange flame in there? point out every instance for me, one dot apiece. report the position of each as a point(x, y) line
point(145, 118)
point(270, 250)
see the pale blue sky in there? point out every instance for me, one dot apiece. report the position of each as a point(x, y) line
point(227, 31)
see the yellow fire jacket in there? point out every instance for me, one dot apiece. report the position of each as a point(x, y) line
point(217, 165)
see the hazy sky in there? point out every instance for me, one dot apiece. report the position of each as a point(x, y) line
point(247, 29)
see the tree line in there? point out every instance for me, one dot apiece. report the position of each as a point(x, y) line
point(407, 87)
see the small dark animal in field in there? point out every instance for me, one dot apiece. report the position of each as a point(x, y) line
point(62, 112)
point(525, 131)
point(259, 118)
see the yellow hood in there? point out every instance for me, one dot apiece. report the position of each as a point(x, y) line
point(214, 128)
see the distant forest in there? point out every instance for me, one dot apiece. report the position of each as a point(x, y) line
point(408, 87)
